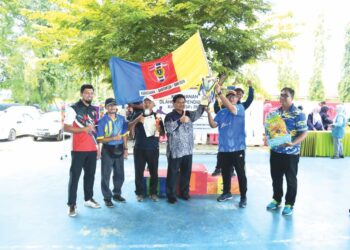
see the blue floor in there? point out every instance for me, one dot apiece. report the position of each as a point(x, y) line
point(34, 215)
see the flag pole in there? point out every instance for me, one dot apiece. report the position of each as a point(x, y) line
point(206, 59)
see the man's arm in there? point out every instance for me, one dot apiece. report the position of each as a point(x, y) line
point(69, 128)
point(135, 121)
point(225, 102)
point(125, 142)
point(250, 97)
point(170, 125)
point(298, 139)
point(108, 139)
point(68, 123)
point(161, 128)
point(195, 115)
point(136, 105)
point(217, 107)
point(211, 121)
point(301, 127)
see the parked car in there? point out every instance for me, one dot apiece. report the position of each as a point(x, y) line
point(17, 120)
point(49, 125)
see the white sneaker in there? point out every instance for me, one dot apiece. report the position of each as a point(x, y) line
point(91, 203)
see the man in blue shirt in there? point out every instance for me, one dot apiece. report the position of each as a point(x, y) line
point(245, 104)
point(112, 133)
point(231, 124)
point(284, 159)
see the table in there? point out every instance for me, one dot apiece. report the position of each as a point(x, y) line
point(320, 143)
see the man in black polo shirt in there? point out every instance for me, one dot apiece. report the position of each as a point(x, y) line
point(146, 150)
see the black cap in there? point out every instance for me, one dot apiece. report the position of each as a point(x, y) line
point(110, 101)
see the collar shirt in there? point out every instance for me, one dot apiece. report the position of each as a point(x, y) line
point(108, 127)
point(296, 124)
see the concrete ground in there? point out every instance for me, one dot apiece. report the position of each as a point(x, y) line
point(33, 211)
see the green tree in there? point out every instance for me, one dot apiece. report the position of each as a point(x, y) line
point(56, 36)
point(35, 70)
point(344, 85)
point(316, 88)
point(139, 30)
point(287, 76)
point(8, 11)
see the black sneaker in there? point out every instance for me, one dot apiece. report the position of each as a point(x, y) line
point(118, 198)
point(216, 172)
point(172, 200)
point(109, 203)
point(341, 156)
point(185, 197)
point(224, 197)
point(243, 202)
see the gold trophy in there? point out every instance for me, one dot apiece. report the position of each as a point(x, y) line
point(208, 84)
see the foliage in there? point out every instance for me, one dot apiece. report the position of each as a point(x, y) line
point(64, 43)
point(316, 88)
point(344, 85)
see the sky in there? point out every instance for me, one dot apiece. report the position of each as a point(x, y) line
point(306, 12)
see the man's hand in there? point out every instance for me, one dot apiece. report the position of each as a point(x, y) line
point(250, 83)
point(217, 88)
point(141, 118)
point(117, 137)
point(288, 144)
point(222, 79)
point(184, 118)
point(126, 153)
point(89, 129)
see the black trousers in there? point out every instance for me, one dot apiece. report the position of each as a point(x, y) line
point(86, 161)
point(141, 157)
point(235, 160)
point(218, 160)
point(184, 166)
point(280, 165)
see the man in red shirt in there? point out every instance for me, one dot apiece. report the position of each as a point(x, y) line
point(80, 121)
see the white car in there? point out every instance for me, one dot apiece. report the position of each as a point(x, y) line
point(49, 125)
point(17, 120)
